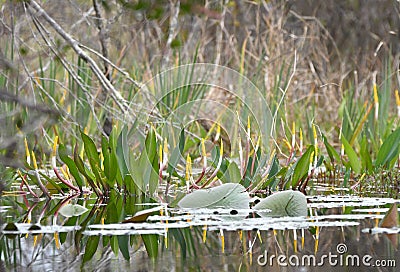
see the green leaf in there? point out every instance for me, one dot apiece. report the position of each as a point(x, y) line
point(123, 243)
point(174, 160)
point(91, 247)
point(365, 155)
point(274, 168)
point(302, 166)
point(151, 244)
point(389, 150)
point(62, 153)
point(90, 149)
point(228, 195)
point(233, 173)
point(285, 203)
point(71, 210)
point(354, 161)
point(332, 153)
point(122, 149)
point(110, 168)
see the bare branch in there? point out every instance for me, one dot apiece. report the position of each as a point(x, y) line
point(106, 84)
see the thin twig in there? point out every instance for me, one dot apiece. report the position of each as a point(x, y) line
point(106, 84)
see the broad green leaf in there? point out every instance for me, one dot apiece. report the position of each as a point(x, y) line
point(122, 149)
point(90, 149)
point(91, 247)
point(389, 149)
point(365, 155)
point(274, 168)
point(151, 244)
point(123, 243)
point(81, 166)
point(232, 173)
point(52, 184)
point(333, 154)
point(174, 160)
point(228, 195)
point(180, 238)
point(71, 210)
point(285, 203)
point(62, 153)
point(354, 161)
point(302, 166)
point(110, 163)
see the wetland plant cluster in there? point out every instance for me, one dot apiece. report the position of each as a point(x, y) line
point(101, 154)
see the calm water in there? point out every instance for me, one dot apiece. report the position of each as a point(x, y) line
point(340, 234)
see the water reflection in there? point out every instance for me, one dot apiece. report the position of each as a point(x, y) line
point(182, 240)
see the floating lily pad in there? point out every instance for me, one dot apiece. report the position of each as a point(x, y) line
point(286, 203)
point(228, 195)
point(71, 210)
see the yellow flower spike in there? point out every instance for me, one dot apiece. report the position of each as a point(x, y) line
point(65, 173)
point(316, 240)
point(27, 152)
point(248, 126)
point(287, 144)
point(218, 134)
point(314, 132)
point(165, 146)
point(188, 169)
point(56, 240)
point(397, 102)
point(250, 253)
point(166, 229)
point(241, 235)
point(377, 220)
point(311, 162)
point(203, 148)
point(376, 101)
point(35, 238)
point(315, 142)
point(221, 149)
point(204, 234)
point(301, 140)
point(160, 150)
point(34, 161)
point(54, 153)
point(258, 143)
point(293, 135)
point(295, 240)
point(259, 236)
point(102, 221)
point(221, 232)
point(302, 238)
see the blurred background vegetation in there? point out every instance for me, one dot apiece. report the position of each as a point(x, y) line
point(339, 45)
